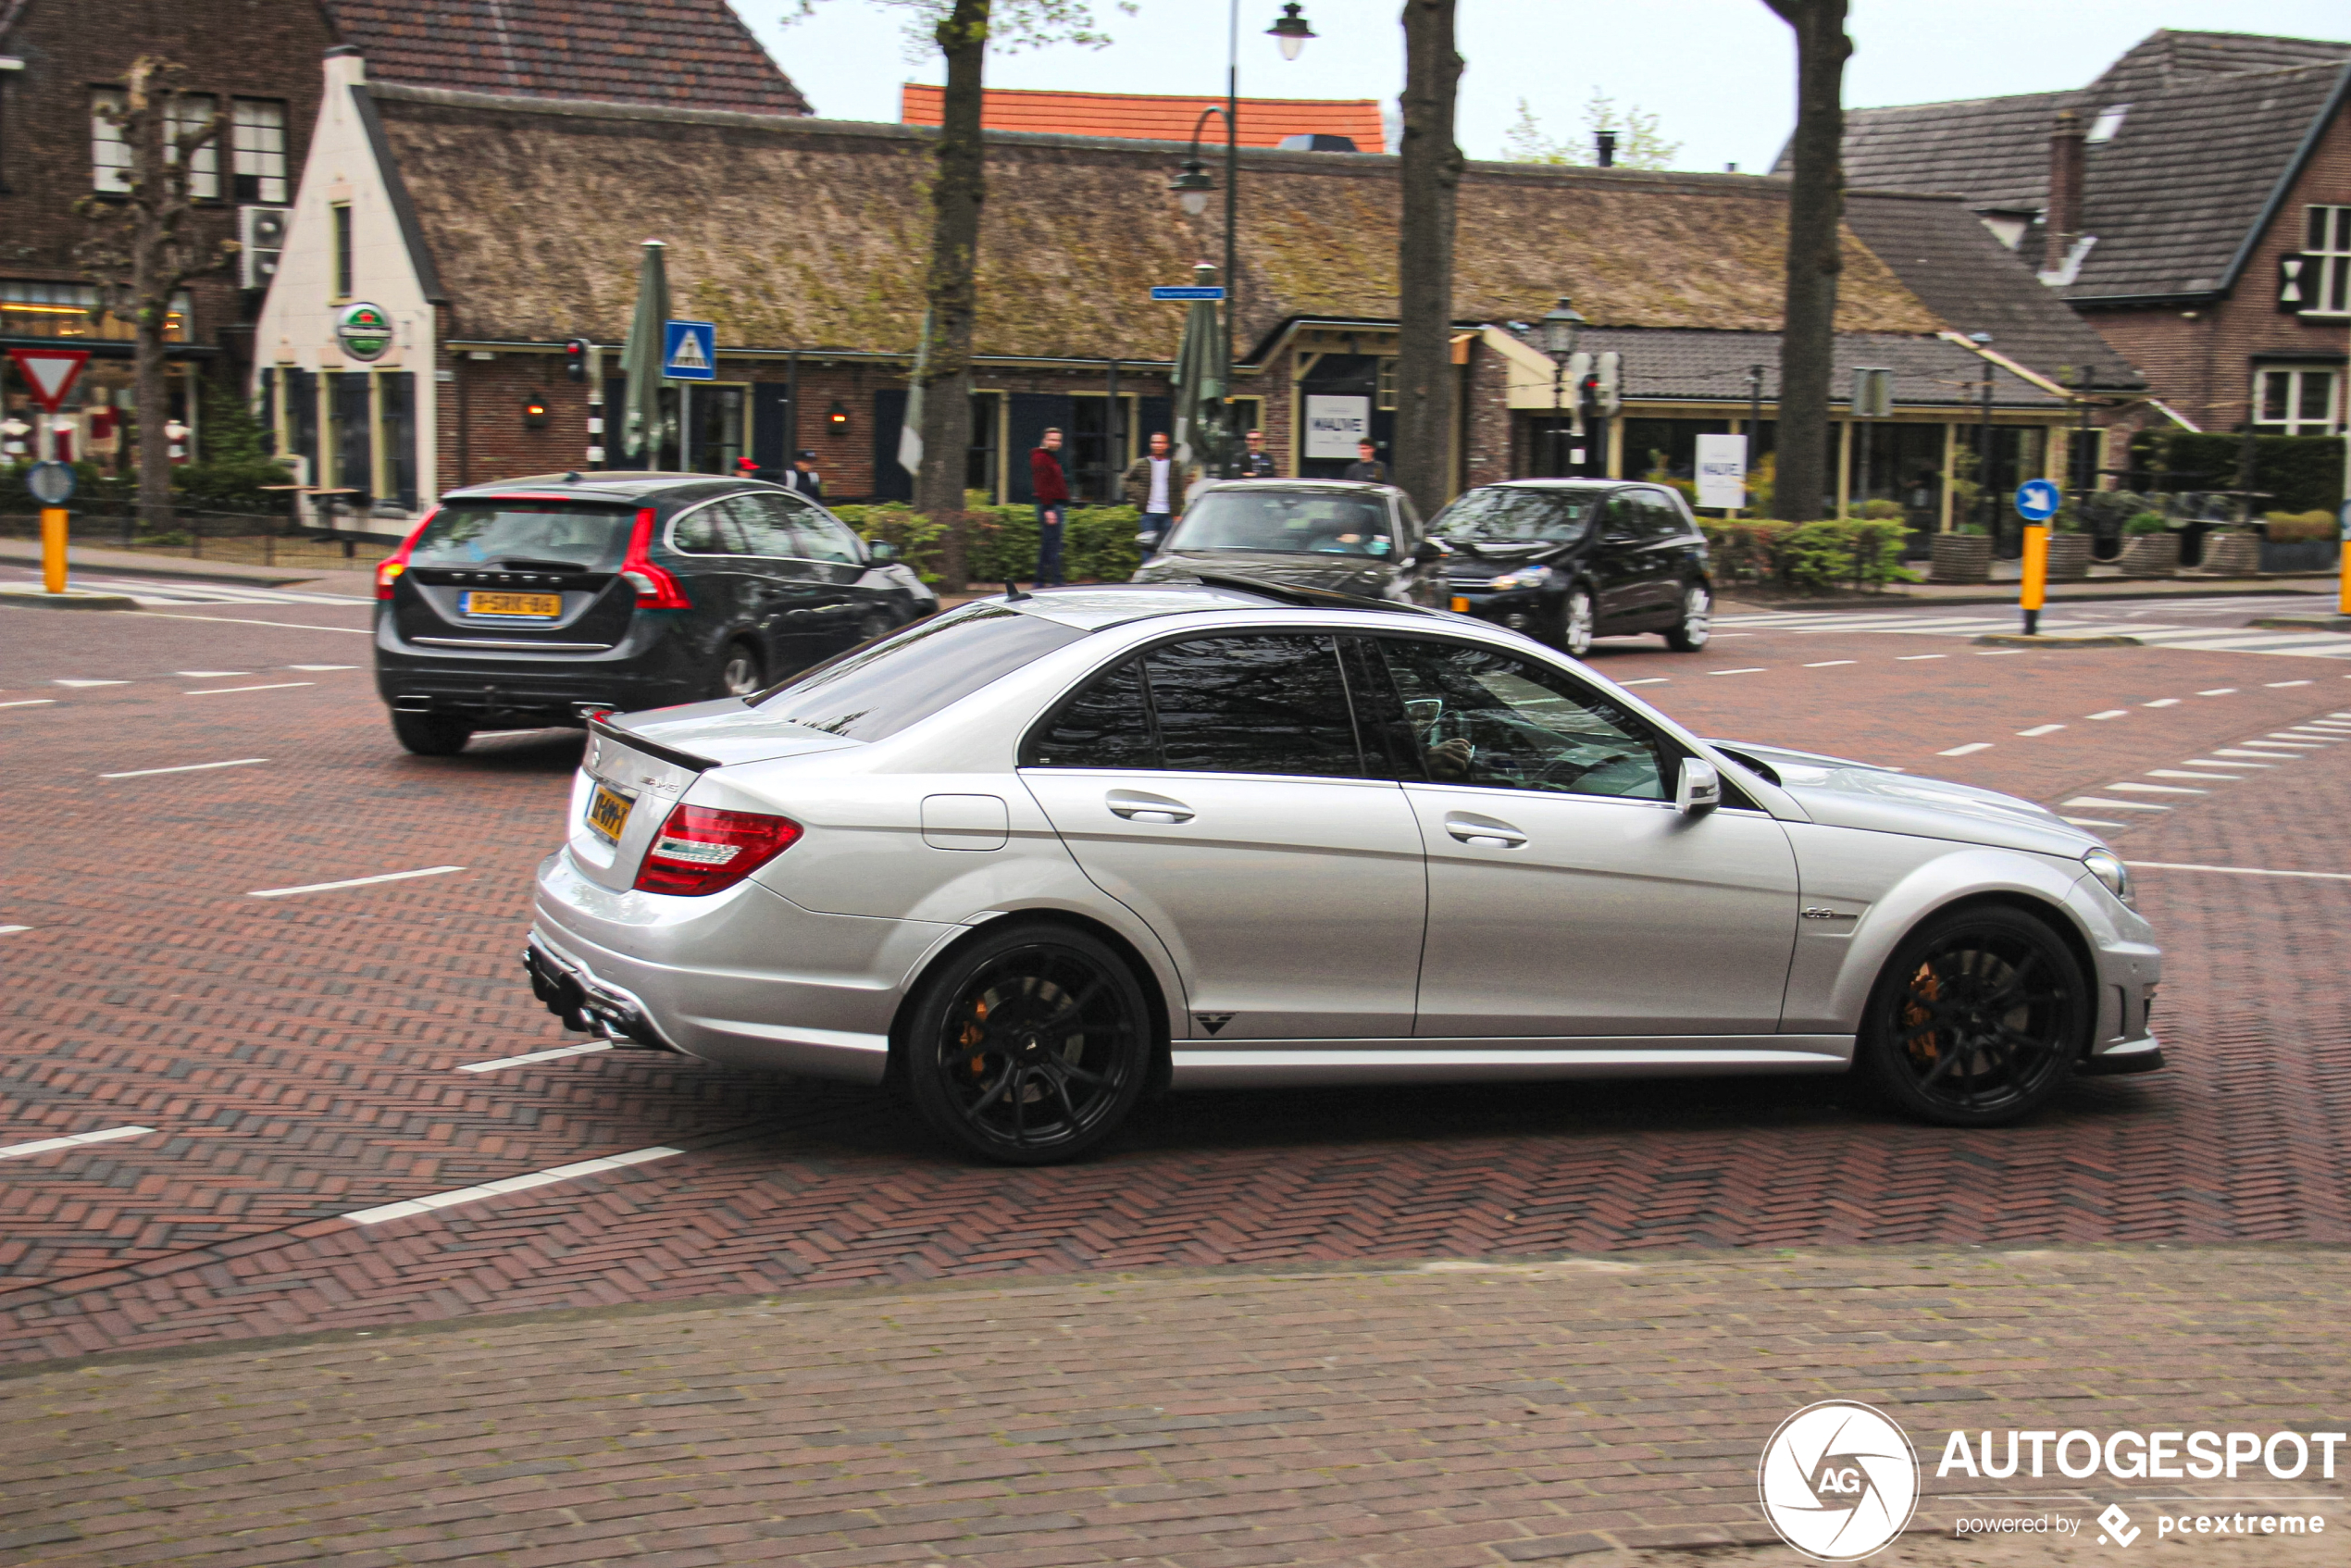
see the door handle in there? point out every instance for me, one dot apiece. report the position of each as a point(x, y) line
point(1484, 831)
point(1136, 806)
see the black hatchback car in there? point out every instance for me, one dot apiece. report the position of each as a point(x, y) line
point(535, 601)
point(1569, 560)
point(1338, 535)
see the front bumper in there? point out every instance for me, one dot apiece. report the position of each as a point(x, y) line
point(1521, 609)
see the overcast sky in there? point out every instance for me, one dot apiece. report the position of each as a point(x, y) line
point(1719, 74)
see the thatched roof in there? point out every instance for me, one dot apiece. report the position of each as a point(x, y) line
point(812, 233)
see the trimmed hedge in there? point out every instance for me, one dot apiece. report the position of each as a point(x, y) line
point(1098, 542)
point(1809, 557)
point(2301, 473)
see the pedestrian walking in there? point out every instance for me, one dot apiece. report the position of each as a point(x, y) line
point(1367, 465)
point(1154, 484)
point(1257, 463)
point(1050, 486)
point(803, 477)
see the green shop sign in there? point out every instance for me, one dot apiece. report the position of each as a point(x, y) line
point(364, 331)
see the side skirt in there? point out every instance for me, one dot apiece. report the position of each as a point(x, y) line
point(1268, 1064)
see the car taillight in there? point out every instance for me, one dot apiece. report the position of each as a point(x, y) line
point(656, 589)
point(396, 562)
point(701, 850)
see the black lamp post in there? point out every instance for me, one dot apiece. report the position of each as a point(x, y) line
point(1194, 183)
point(1562, 326)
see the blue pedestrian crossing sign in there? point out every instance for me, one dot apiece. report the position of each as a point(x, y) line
point(689, 351)
point(2037, 501)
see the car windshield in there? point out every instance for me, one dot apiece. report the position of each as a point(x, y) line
point(876, 691)
point(560, 534)
point(1504, 515)
point(1301, 521)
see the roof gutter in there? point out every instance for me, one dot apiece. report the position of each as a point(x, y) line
point(861, 356)
point(2293, 167)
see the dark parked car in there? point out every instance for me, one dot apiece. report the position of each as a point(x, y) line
point(1569, 560)
point(1363, 540)
point(536, 599)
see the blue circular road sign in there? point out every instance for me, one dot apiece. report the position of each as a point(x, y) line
point(2037, 501)
point(50, 483)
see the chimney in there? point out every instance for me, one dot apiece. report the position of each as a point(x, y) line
point(1607, 140)
point(2061, 224)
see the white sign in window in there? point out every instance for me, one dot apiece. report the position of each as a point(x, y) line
point(1334, 424)
point(1722, 471)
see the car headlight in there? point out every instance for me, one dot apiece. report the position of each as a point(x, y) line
point(2107, 867)
point(1532, 577)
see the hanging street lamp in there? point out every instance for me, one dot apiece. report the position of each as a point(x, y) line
point(1562, 326)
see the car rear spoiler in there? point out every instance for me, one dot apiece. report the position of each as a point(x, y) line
point(653, 749)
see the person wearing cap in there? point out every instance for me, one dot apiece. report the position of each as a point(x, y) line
point(803, 477)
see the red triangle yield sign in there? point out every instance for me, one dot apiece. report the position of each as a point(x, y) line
point(51, 371)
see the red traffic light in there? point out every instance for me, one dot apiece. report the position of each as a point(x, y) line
point(576, 358)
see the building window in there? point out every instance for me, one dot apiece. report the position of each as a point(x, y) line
point(342, 250)
point(191, 112)
point(1387, 384)
point(2109, 122)
point(257, 139)
point(109, 151)
point(2329, 247)
point(2294, 401)
point(70, 310)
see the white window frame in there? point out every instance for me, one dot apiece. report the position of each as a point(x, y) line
point(189, 112)
point(2327, 241)
point(257, 138)
point(2295, 380)
point(109, 149)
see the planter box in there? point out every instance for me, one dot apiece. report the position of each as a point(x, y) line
point(2069, 556)
point(2300, 556)
point(2232, 554)
point(1963, 558)
point(2150, 554)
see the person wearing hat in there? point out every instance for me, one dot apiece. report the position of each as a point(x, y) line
point(802, 476)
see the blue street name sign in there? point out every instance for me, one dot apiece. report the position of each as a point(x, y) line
point(2037, 501)
point(1187, 292)
point(689, 351)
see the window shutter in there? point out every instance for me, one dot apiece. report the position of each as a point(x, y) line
point(2299, 274)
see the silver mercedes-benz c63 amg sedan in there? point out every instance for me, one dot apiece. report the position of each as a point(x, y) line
point(1036, 858)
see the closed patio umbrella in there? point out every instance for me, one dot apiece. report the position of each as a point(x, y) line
point(1200, 435)
point(641, 359)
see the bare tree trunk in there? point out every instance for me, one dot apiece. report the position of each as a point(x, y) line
point(954, 253)
point(1815, 208)
point(149, 316)
point(1431, 175)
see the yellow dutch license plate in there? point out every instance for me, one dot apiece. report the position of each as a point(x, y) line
point(540, 606)
point(608, 813)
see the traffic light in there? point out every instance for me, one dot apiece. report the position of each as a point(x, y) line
point(576, 358)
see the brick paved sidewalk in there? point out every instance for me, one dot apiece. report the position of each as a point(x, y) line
point(1427, 1414)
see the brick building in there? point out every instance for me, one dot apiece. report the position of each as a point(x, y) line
point(2192, 205)
point(257, 63)
point(494, 229)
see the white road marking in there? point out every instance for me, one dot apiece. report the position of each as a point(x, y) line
point(2002, 653)
point(512, 1184)
point(1914, 658)
point(2282, 745)
point(47, 1145)
point(210, 674)
point(2163, 702)
point(237, 620)
point(2092, 822)
point(189, 767)
point(1648, 680)
point(2113, 713)
point(2042, 729)
point(31, 702)
point(353, 882)
point(560, 1051)
point(322, 666)
point(1825, 663)
point(225, 690)
point(2115, 805)
point(2278, 683)
point(1963, 751)
point(2219, 691)
point(2160, 789)
point(2237, 870)
point(12, 931)
point(78, 684)
point(2207, 762)
point(1758, 669)
point(2270, 758)
point(2290, 735)
point(2175, 773)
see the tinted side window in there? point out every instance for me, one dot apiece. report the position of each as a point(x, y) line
point(766, 530)
point(708, 531)
point(876, 691)
point(1661, 520)
point(1621, 524)
point(817, 537)
point(1107, 724)
point(1486, 717)
point(1253, 704)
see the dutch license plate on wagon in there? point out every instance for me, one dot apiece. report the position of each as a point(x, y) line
point(536, 606)
point(608, 813)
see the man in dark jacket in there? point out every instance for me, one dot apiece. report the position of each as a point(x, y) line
point(802, 476)
point(1257, 463)
point(1050, 486)
point(1367, 465)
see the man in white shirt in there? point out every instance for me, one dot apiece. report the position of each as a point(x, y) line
point(1153, 485)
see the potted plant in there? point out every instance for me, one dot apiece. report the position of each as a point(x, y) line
point(1962, 557)
point(2069, 549)
point(2299, 541)
point(2232, 552)
point(2149, 547)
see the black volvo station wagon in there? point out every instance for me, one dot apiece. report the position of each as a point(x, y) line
point(536, 600)
point(1569, 560)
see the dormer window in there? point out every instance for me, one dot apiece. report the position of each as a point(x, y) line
point(2110, 120)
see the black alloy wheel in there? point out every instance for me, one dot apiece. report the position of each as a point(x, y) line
point(739, 672)
point(431, 735)
point(1694, 625)
point(1977, 1019)
point(1028, 1046)
point(1578, 622)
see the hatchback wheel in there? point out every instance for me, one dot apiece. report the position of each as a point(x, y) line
point(1575, 622)
point(1696, 624)
point(431, 735)
point(738, 673)
point(1977, 1019)
point(1029, 1046)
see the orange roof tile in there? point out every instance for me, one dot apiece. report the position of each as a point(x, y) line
point(1154, 118)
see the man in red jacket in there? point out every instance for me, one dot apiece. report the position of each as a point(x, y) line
point(1052, 489)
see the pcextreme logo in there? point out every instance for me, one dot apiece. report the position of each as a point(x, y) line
point(1838, 1480)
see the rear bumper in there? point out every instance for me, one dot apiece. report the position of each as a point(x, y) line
point(649, 669)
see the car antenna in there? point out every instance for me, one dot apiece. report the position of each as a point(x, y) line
point(572, 477)
point(1013, 594)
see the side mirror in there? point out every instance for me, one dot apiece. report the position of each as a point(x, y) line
point(1700, 788)
point(1429, 550)
point(882, 552)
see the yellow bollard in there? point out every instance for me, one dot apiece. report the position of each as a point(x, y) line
point(2343, 551)
point(2036, 576)
point(52, 549)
